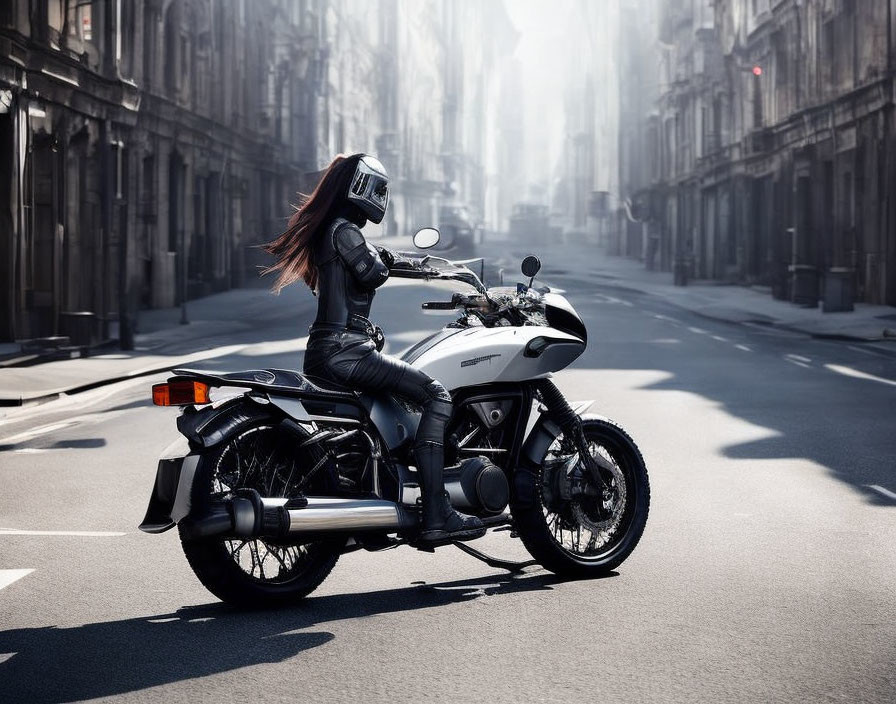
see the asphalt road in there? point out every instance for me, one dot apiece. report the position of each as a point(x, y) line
point(767, 571)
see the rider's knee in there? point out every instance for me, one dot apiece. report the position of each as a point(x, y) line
point(438, 401)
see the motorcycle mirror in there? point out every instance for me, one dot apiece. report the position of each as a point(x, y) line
point(426, 238)
point(531, 266)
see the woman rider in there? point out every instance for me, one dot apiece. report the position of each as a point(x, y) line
point(324, 247)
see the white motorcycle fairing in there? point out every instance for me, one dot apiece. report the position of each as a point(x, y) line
point(480, 355)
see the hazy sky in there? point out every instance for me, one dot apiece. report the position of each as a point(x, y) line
point(559, 43)
point(540, 51)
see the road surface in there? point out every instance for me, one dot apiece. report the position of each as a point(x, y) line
point(766, 572)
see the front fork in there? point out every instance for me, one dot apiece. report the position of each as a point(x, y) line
point(570, 423)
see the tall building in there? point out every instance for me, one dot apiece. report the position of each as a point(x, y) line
point(774, 145)
point(150, 146)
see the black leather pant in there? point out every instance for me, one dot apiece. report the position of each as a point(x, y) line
point(350, 358)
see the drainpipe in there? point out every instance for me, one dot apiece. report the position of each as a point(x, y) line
point(106, 195)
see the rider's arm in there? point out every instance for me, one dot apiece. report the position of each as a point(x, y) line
point(361, 258)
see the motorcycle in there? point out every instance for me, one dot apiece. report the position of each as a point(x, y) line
point(275, 474)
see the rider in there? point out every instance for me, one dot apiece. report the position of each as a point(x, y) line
point(323, 246)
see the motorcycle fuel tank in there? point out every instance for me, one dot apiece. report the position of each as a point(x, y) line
point(480, 355)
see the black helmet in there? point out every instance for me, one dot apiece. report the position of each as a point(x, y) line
point(369, 189)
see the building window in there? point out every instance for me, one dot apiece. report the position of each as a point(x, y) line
point(80, 22)
point(125, 48)
point(757, 101)
point(149, 45)
point(148, 189)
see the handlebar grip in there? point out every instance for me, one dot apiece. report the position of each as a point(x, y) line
point(438, 305)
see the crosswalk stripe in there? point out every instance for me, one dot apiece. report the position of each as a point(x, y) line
point(7, 577)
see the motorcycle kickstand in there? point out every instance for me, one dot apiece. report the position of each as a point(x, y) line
point(496, 562)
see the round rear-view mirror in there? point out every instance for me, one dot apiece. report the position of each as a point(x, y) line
point(426, 238)
point(531, 266)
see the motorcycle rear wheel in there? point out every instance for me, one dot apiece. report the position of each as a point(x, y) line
point(586, 536)
point(258, 573)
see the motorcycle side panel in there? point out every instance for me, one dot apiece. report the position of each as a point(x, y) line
point(480, 355)
point(397, 424)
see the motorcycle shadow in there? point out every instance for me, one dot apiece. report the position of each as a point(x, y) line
point(116, 657)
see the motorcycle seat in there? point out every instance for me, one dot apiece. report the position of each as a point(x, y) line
point(327, 385)
point(280, 379)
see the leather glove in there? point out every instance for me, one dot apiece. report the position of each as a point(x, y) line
point(386, 256)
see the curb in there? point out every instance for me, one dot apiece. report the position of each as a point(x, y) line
point(838, 337)
point(23, 400)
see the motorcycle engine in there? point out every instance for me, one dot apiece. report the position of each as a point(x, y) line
point(478, 485)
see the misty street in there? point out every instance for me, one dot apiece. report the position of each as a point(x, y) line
point(640, 445)
point(766, 566)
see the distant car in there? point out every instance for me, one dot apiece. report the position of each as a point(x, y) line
point(458, 232)
point(530, 223)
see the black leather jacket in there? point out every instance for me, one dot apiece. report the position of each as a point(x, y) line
point(349, 270)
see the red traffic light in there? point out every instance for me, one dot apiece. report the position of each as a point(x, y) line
point(757, 70)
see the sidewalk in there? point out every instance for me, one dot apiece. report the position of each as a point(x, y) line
point(161, 343)
point(726, 302)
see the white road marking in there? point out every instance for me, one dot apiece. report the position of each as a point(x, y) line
point(720, 338)
point(799, 358)
point(7, 577)
point(698, 331)
point(43, 430)
point(880, 490)
point(74, 533)
point(859, 349)
point(856, 374)
point(31, 451)
point(612, 299)
point(744, 348)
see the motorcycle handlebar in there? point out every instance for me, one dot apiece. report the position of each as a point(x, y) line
point(438, 305)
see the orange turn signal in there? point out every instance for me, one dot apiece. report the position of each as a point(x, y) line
point(180, 393)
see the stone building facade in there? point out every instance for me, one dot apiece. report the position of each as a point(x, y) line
point(773, 140)
point(153, 144)
point(150, 146)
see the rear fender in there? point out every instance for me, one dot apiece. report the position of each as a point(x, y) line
point(202, 429)
point(206, 427)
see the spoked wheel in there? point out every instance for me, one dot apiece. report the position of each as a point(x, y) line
point(573, 527)
point(259, 572)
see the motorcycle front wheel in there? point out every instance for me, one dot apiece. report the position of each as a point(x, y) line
point(572, 528)
point(257, 572)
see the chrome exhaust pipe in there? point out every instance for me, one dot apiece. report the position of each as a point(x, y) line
point(328, 515)
point(249, 515)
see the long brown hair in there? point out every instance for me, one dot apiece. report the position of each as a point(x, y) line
point(294, 249)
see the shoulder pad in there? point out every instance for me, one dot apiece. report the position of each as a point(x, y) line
point(347, 237)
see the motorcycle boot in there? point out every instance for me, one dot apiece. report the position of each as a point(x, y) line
point(441, 522)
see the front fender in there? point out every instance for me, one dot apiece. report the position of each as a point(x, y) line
point(535, 447)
